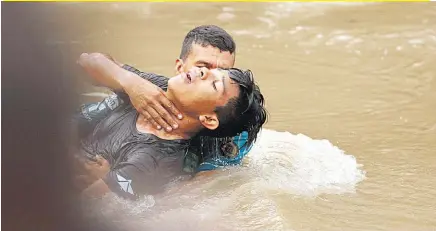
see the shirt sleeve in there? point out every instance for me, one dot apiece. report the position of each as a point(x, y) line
point(147, 173)
point(158, 80)
point(89, 115)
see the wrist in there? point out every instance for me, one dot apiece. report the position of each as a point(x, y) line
point(128, 82)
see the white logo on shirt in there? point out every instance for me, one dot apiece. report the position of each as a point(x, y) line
point(126, 185)
point(112, 101)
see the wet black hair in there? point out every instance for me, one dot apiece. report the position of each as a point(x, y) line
point(246, 112)
point(208, 35)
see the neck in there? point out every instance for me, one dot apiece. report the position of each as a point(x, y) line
point(184, 131)
point(188, 126)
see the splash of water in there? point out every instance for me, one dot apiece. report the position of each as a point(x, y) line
point(242, 197)
point(304, 166)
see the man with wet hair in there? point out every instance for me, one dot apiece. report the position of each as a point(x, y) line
point(204, 46)
point(144, 159)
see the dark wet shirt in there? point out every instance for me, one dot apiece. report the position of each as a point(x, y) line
point(205, 153)
point(141, 164)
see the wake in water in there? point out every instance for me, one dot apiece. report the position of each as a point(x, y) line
point(242, 198)
point(302, 165)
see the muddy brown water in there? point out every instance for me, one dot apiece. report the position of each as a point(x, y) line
point(351, 90)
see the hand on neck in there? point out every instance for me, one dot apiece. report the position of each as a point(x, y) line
point(187, 128)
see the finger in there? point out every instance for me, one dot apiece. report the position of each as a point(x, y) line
point(150, 119)
point(99, 159)
point(102, 162)
point(159, 119)
point(171, 107)
point(166, 116)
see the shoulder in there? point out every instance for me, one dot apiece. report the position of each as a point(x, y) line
point(158, 80)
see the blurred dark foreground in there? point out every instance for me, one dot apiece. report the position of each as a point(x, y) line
point(37, 99)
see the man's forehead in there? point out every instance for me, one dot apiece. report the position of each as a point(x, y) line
point(211, 55)
point(231, 86)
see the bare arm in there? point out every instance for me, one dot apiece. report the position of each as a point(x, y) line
point(147, 98)
point(90, 114)
point(107, 72)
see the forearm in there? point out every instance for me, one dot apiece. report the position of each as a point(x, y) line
point(106, 72)
point(145, 95)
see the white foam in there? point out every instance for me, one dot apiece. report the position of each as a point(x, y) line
point(226, 16)
point(270, 22)
point(304, 165)
point(286, 9)
point(416, 41)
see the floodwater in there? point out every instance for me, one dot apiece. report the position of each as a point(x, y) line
point(351, 91)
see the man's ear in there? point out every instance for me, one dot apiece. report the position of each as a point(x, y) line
point(179, 66)
point(209, 121)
